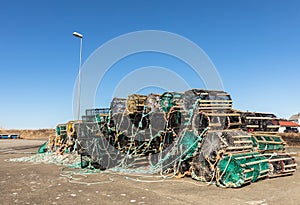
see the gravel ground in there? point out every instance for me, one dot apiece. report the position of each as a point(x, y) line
point(28, 183)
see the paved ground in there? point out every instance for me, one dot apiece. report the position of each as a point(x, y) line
point(27, 183)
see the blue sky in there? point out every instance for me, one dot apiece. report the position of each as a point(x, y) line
point(255, 46)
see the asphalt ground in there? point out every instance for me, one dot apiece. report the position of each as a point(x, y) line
point(29, 183)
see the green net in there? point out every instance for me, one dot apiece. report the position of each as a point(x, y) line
point(70, 160)
point(239, 169)
point(268, 142)
point(169, 100)
point(189, 141)
point(43, 148)
point(57, 130)
point(166, 102)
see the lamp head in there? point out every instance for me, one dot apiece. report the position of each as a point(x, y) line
point(76, 34)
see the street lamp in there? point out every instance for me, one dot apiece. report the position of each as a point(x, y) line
point(80, 36)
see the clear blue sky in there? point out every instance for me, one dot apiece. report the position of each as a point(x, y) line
point(255, 46)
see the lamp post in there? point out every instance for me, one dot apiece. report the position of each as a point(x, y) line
point(80, 36)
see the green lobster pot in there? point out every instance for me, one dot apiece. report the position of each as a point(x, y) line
point(169, 100)
point(266, 142)
point(239, 169)
point(98, 118)
point(57, 130)
point(166, 101)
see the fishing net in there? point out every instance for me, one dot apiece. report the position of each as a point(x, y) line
point(239, 169)
point(267, 142)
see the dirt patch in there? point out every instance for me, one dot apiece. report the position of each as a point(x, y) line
point(28, 183)
point(292, 139)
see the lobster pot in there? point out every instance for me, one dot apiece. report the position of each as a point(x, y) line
point(213, 146)
point(152, 103)
point(200, 121)
point(186, 148)
point(259, 122)
point(61, 129)
point(157, 122)
point(99, 115)
point(169, 100)
point(188, 143)
point(135, 103)
point(215, 100)
point(122, 123)
point(118, 105)
point(229, 141)
point(281, 164)
point(93, 118)
point(190, 98)
point(89, 118)
point(269, 143)
point(176, 152)
point(239, 169)
point(208, 154)
point(93, 112)
point(237, 141)
point(94, 148)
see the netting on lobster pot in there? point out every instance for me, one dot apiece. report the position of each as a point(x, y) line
point(239, 169)
point(96, 148)
point(118, 105)
point(152, 103)
point(191, 98)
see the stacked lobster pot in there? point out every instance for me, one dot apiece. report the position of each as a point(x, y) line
point(264, 128)
point(272, 147)
point(194, 133)
point(225, 155)
point(64, 139)
point(259, 122)
point(57, 141)
point(137, 124)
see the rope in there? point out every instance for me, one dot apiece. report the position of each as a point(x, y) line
point(218, 176)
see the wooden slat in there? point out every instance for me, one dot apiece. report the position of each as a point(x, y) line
point(261, 118)
point(263, 171)
point(248, 179)
point(215, 124)
point(255, 162)
point(214, 104)
point(244, 141)
point(214, 108)
point(252, 126)
point(279, 175)
point(279, 159)
point(259, 177)
point(289, 170)
point(230, 101)
point(290, 165)
point(223, 114)
point(243, 157)
point(273, 126)
point(266, 134)
point(269, 142)
point(241, 147)
point(249, 170)
point(241, 136)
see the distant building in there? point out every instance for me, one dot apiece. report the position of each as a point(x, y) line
point(295, 118)
point(288, 126)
